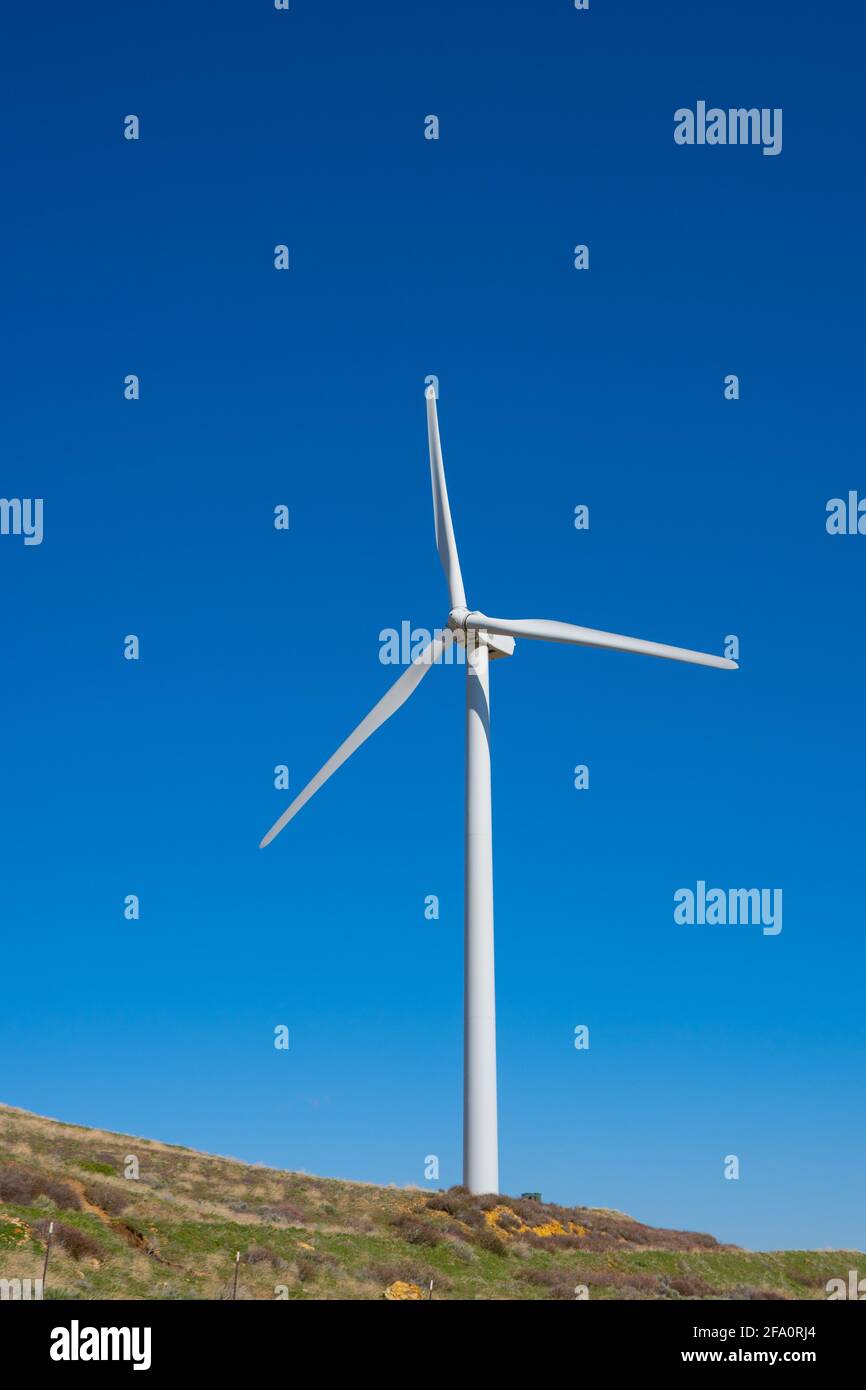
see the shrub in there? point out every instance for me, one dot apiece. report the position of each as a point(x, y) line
point(807, 1279)
point(460, 1249)
point(76, 1243)
point(508, 1220)
point(535, 1275)
point(765, 1295)
point(444, 1201)
point(414, 1231)
point(528, 1210)
point(16, 1187)
point(628, 1281)
point(557, 1283)
point(389, 1272)
point(690, 1286)
point(22, 1187)
point(260, 1254)
point(359, 1221)
point(110, 1199)
point(458, 1204)
point(488, 1240)
point(111, 1160)
point(567, 1242)
point(521, 1249)
point(282, 1211)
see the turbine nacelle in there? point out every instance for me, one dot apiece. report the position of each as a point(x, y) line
point(497, 644)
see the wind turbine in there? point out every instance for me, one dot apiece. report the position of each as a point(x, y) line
point(485, 639)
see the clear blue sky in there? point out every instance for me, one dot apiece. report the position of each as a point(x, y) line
point(558, 387)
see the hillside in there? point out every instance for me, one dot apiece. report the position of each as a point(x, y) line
point(172, 1233)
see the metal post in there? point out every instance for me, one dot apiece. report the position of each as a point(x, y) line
point(47, 1253)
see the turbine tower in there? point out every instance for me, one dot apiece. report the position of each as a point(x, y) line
point(485, 639)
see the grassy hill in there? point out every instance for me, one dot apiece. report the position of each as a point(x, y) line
point(173, 1232)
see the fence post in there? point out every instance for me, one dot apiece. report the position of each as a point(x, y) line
point(47, 1253)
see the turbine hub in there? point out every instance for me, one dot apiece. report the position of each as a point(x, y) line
point(495, 643)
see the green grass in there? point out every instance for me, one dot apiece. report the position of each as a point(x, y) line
point(173, 1234)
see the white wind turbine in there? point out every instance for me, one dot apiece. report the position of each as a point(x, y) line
point(485, 638)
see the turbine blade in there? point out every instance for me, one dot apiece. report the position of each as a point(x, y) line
point(546, 630)
point(445, 541)
point(388, 705)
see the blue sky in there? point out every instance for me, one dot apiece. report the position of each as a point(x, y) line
point(258, 647)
